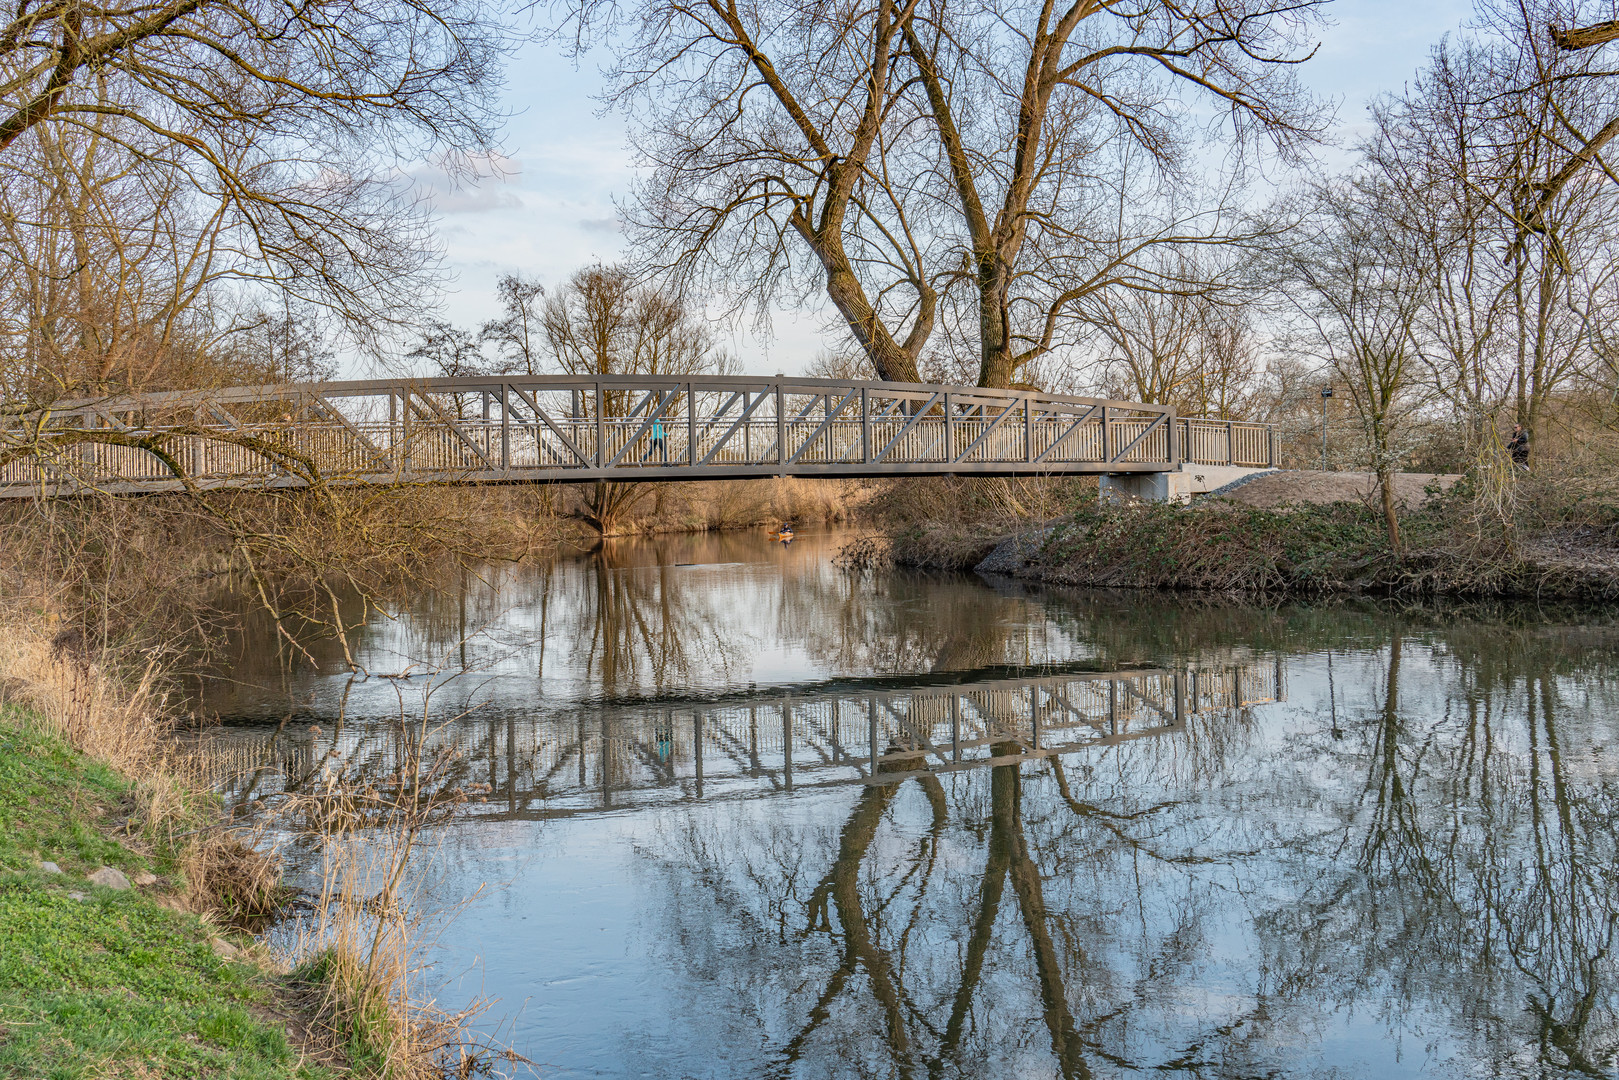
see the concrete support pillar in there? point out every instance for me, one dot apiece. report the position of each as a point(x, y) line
point(1123, 487)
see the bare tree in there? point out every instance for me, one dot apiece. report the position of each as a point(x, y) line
point(1553, 47)
point(263, 137)
point(517, 334)
point(1056, 125)
point(1553, 110)
point(914, 151)
point(107, 272)
point(289, 346)
point(451, 351)
point(1195, 350)
point(1359, 285)
point(602, 322)
point(1430, 147)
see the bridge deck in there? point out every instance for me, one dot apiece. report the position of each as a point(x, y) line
point(565, 429)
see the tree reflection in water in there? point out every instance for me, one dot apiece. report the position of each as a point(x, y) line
point(1443, 874)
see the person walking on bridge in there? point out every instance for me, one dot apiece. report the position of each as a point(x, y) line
point(1518, 447)
point(659, 445)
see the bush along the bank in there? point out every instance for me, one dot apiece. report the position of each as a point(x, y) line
point(1340, 547)
point(97, 976)
point(1224, 548)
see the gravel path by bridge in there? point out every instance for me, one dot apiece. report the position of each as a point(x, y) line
point(1315, 486)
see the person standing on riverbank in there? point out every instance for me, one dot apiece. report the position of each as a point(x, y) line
point(1518, 446)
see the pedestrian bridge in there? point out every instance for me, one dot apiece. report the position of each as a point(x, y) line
point(567, 429)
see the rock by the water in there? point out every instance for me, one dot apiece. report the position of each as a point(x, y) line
point(1015, 552)
point(50, 868)
point(144, 879)
point(108, 878)
point(79, 896)
point(224, 949)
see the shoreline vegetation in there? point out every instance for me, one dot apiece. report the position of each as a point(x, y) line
point(125, 910)
point(131, 901)
point(1568, 551)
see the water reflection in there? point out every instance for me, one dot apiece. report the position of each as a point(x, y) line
point(1092, 836)
point(552, 763)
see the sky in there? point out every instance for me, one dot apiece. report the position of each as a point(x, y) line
point(548, 206)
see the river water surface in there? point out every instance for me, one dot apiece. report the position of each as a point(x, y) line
point(738, 813)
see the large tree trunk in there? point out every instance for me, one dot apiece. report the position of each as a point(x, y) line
point(893, 361)
point(997, 366)
point(1391, 506)
point(606, 502)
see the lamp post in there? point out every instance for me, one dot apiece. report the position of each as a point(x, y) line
point(1326, 392)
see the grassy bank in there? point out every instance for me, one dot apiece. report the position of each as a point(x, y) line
point(1218, 546)
point(105, 982)
point(144, 980)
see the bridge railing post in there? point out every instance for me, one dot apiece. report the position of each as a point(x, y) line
point(871, 716)
point(787, 743)
point(697, 749)
point(1028, 429)
point(865, 425)
point(505, 429)
point(781, 425)
point(601, 430)
point(691, 423)
point(404, 432)
point(955, 727)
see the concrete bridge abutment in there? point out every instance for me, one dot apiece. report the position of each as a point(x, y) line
point(1177, 485)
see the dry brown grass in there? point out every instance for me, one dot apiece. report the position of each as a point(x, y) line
point(966, 500)
point(118, 719)
point(231, 882)
point(952, 522)
point(712, 506)
point(108, 717)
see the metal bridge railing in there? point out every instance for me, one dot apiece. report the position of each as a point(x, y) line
point(568, 429)
point(1227, 442)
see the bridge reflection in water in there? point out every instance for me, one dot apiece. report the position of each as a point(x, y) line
point(651, 751)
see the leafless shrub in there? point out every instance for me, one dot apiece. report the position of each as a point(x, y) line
point(367, 940)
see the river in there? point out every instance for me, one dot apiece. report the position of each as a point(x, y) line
point(739, 813)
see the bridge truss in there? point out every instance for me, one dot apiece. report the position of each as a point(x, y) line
point(567, 429)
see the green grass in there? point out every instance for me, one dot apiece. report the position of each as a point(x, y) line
point(116, 984)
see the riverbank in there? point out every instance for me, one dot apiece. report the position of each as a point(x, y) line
point(129, 900)
point(1220, 546)
point(102, 970)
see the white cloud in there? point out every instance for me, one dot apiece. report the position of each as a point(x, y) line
point(474, 184)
